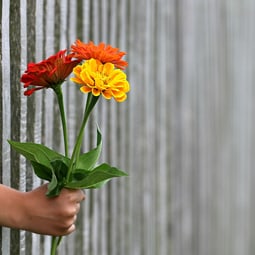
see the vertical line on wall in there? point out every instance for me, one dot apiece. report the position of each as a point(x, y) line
point(25, 237)
point(57, 34)
point(176, 99)
point(37, 246)
point(169, 78)
point(48, 95)
point(113, 140)
point(15, 49)
point(6, 119)
point(162, 79)
point(122, 134)
point(86, 24)
point(149, 143)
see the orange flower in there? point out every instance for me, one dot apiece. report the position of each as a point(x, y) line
point(48, 73)
point(103, 53)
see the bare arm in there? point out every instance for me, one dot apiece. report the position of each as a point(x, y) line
point(35, 212)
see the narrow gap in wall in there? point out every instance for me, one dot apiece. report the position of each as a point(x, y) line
point(42, 237)
point(92, 192)
point(56, 116)
point(79, 233)
point(79, 21)
point(30, 102)
point(15, 104)
point(91, 21)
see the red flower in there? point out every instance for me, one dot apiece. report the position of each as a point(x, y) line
point(103, 53)
point(48, 73)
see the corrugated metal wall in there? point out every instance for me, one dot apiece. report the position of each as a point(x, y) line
point(185, 135)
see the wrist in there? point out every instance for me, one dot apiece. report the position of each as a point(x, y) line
point(12, 211)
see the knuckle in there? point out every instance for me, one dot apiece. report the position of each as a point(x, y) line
point(78, 207)
point(68, 211)
point(71, 211)
point(66, 224)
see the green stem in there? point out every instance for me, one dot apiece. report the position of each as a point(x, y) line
point(91, 102)
point(54, 245)
point(57, 89)
point(59, 94)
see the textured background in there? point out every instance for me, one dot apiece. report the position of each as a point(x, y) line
point(185, 135)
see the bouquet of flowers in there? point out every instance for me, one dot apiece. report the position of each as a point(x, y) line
point(98, 70)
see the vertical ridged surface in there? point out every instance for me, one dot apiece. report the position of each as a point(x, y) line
point(185, 134)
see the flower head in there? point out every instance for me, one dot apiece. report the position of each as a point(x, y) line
point(99, 78)
point(48, 73)
point(103, 53)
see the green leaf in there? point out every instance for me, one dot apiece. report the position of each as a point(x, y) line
point(80, 174)
point(59, 171)
point(36, 152)
point(60, 168)
point(42, 171)
point(53, 189)
point(98, 185)
point(96, 177)
point(88, 160)
point(48, 164)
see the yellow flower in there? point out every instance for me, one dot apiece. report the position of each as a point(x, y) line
point(98, 78)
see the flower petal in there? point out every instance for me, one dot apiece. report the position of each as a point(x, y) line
point(103, 53)
point(85, 89)
point(48, 73)
point(99, 78)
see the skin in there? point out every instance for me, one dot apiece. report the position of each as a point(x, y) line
point(34, 212)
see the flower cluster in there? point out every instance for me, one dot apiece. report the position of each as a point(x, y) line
point(97, 68)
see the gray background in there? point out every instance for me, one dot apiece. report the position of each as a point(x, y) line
point(185, 135)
